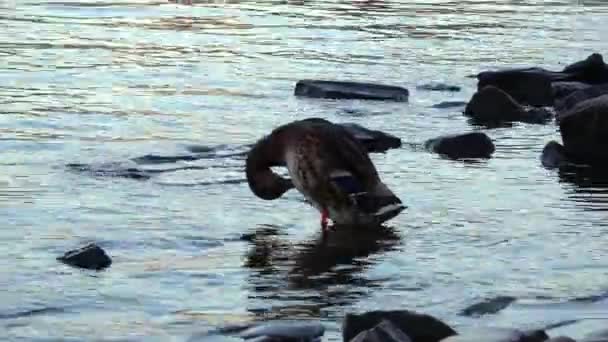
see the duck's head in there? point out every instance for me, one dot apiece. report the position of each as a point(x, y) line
point(263, 182)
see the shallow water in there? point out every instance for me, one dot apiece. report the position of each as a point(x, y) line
point(100, 83)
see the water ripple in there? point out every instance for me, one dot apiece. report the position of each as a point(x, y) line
point(174, 92)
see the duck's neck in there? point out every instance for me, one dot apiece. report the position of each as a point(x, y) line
point(262, 181)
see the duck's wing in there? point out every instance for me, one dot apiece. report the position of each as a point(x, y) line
point(347, 154)
point(355, 173)
point(346, 182)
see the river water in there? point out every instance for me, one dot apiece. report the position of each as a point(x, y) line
point(101, 83)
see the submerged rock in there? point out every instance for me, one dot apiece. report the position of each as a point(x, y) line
point(284, 331)
point(350, 90)
point(467, 145)
point(498, 335)
point(373, 140)
point(583, 130)
point(492, 105)
point(110, 170)
point(418, 327)
point(156, 159)
point(489, 306)
point(383, 332)
point(90, 256)
point(437, 86)
point(450, 104)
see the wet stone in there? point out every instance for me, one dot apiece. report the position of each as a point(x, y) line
point(373, 140)
point(486, 334)
point(438, 86)
point(493, 105)
point(564, 88)
point(156, 159)
point(489, 306)
point(90, 256)
point(591, 70)
point(284, 331)
point(553, 155)
point(383, 332)
point(568, 102)
point(449, 104)
point(467, 145)
point(350, 90)
point(583, 131)
point(418, 327)
point(561, 339)
point(530, 86)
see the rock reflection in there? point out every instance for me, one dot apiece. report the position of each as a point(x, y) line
point(590, 185)
point(304, 278)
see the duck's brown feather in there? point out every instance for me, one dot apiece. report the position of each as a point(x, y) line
point(313, 151)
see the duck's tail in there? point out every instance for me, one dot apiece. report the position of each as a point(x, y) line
point(380, 202)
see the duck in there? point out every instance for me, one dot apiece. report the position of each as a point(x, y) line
point(329, 166)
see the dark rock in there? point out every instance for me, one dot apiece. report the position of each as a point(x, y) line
point(284, 331)
point(583, 130)
point(467, 145)
point(565, 88)
point(566, 103)
point(560, 339)
point(90, 256)
point(498, 335)
point(531, 86)
point(437, 86)
point(493, 105)
point(489, 306)
point(374, 141)
point(449, 104)
point(350, 90)
point(419, 327)
point(591, 70)
point(534, 336)
point(598, 336)
point(383, 332)
point(553, 155)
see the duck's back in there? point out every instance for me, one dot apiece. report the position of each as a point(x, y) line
point(323, 150)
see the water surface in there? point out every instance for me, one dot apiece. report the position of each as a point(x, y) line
point(100, 83)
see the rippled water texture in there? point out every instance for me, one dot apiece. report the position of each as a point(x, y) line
point(103, 83)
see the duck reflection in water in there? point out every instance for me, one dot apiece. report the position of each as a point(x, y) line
point(304, 278)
